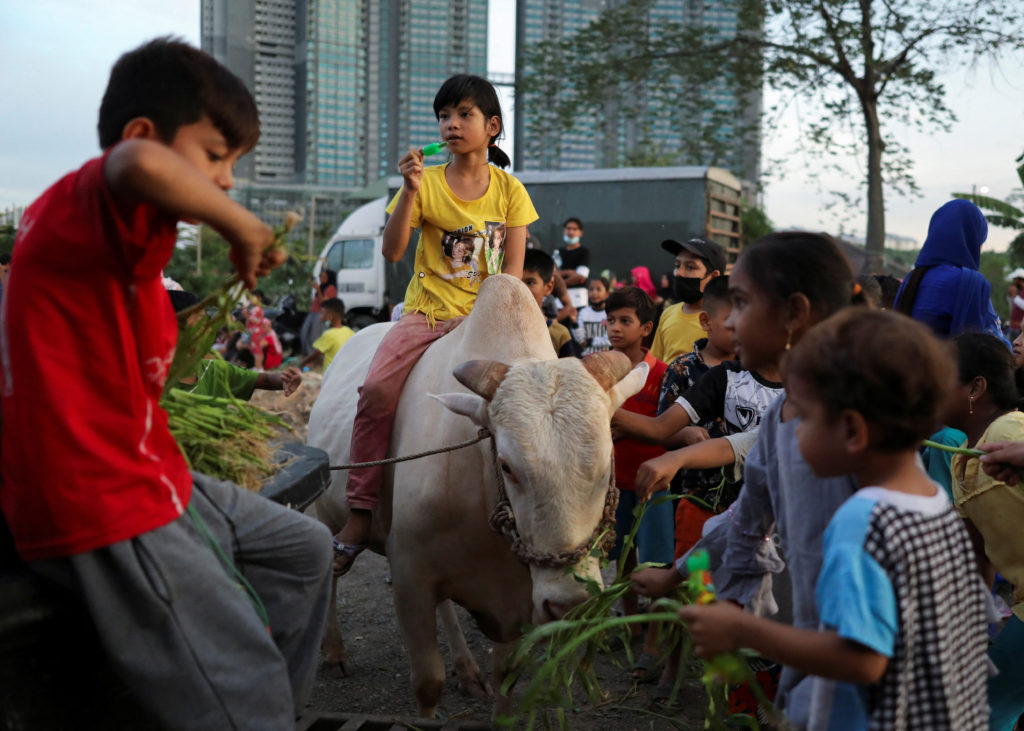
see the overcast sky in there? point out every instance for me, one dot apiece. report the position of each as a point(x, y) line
point(56, 56)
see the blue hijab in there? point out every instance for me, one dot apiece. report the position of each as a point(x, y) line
point(955, 235)
point(946, 291)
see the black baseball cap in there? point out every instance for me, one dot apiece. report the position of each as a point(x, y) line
point(711, 253)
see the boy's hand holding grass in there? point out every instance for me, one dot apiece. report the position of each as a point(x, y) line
point(655, 582)
point(656, 474)
point(253, 253)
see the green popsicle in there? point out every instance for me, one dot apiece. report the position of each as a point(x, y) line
point(433, 148)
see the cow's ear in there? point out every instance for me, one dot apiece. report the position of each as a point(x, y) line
point(467, 404)
point(629, 385)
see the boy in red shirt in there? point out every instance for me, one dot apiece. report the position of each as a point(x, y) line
point(631, 314)
point(94, 486)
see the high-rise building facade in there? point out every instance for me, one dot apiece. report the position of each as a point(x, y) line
point(343, 86)
point(655, 129)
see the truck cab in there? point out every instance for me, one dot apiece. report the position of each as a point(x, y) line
point(354, 253)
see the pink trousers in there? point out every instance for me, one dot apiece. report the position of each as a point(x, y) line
point(397, 353)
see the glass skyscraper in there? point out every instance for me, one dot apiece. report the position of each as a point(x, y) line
point(656, 131)
point(344, 87)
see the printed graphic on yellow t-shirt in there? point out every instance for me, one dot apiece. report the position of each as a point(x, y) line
point(462, 251)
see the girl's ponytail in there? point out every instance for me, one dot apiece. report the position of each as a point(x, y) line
point(497, 156)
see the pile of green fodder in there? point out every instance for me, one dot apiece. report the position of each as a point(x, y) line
point(559, 655)
point(225, 438)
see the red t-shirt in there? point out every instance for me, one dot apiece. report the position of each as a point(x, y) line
point(630, 453)
point(87, 334)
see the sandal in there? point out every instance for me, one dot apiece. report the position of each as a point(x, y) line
point(666, 696)
point(645, 669)
point(345, 555)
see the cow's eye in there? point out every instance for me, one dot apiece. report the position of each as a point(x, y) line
point(508, 471)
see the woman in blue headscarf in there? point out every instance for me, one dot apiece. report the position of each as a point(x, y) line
point(945, 290)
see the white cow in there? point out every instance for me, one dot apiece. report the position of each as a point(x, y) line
point(550, 421)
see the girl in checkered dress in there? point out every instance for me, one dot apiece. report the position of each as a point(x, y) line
point(902, 610)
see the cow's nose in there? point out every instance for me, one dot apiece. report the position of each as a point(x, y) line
point(555, 610)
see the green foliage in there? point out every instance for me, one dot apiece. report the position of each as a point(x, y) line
point(7, 234)
point(755, 223)
point(1016, 251)
point(293, 277)
point(850, 63)
point(902, 257)
point(1005, 214)
point(995, 265)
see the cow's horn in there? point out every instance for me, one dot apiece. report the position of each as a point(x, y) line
point(607, 367)
point(482, 377)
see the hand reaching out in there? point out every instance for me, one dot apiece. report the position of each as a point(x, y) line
point(250, 253)
point(1003, 460)
point(291, 380)
point(656, 474)
point(655, 582)
point(693, 434)
point(714, 628)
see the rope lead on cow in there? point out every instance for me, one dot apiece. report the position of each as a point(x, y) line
point(481, 435)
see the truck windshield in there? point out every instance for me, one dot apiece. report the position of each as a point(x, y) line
point(351, 254)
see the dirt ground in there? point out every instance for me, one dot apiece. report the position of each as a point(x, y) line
point(380, 682)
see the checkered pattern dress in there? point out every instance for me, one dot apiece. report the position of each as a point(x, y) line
point(937, 676)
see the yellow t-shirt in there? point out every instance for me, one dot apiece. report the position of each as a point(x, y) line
point(461, 242)
point(331, 341)
point(995, 508)
point(677, 332)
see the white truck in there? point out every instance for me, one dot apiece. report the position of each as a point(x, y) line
point(354, 254)
point(627, 213)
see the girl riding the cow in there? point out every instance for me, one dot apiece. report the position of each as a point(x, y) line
point(466, 199)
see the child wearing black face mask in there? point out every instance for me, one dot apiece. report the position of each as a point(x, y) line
point(592, 333)
point(698, 261)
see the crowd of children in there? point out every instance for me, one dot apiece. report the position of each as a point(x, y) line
point(789, 423)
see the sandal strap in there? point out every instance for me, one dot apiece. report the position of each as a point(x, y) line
point(348, 550)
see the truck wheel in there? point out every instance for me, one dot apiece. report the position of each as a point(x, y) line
point(358, 322)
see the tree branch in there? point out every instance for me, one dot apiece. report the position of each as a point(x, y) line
point(842, 67)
